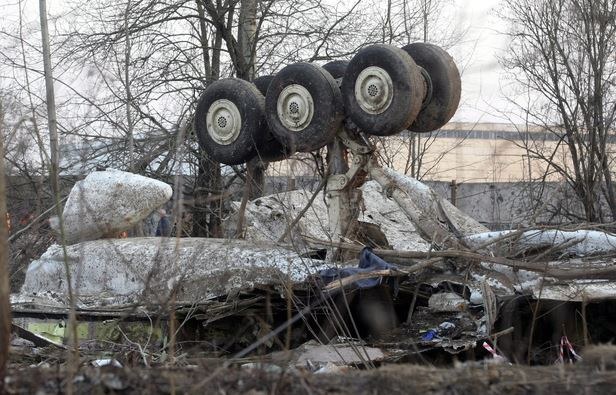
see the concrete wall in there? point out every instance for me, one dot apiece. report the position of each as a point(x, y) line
point(508, 205)
point(473, 153)
point(468, 153)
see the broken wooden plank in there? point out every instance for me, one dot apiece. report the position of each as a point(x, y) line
point(37, 340)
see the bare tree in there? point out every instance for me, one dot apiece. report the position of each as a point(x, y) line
point(404, 21)
point(142, 65)
point(208, 183)
point(177, 47)
point(129, 118)
point(562, 52)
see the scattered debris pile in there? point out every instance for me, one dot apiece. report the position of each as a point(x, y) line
point(436, 287)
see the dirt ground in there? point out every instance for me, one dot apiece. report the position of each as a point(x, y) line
point(48, 373)
point(209, 377)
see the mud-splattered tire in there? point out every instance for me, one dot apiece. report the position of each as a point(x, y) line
point(262, 83)
point(382, 90)
point(269, 149)
point(272, 150)
point(230, 121)
point(444, 86)
point(336, 68)
point(304, 107)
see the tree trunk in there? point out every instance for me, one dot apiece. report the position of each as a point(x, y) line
point(208, 183)
point(207, 192)
point(51, 107)
point(5, 306)
point(255, 175)
point(129, 119)
point(247, 31)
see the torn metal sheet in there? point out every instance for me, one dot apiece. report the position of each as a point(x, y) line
point(267, 218)
point(435, 219)
point(35, 338)
point(99, 363)
point(543, 287)
point(108, 202)
point(575, 291)
point(568, 243)
point(147, 270)
point(315, 355)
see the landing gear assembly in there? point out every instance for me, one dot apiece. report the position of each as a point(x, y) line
point(382, 91)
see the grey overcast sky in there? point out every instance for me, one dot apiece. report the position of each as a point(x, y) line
point(482, 97)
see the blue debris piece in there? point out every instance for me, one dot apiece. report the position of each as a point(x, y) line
point(368, 262)
point(430, 335)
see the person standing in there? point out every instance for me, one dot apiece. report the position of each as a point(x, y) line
point(164, 226)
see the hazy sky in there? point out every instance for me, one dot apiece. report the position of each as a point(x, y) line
point(482, 78)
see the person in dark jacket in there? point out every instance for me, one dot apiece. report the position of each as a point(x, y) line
point(164, 226)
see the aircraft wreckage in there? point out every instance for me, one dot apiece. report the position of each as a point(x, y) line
point(371, 261)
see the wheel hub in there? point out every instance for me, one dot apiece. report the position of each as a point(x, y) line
point(427, 85)
point(374, 90)
point(295, 107)
point(224, 122)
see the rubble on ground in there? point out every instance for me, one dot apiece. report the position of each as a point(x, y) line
point(444, 288)
point(421, 378)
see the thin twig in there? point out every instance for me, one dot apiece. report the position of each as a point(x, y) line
point(35, 220)
point(403, 258)
point(303, 212)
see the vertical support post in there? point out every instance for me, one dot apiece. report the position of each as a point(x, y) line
point(343, 193)
point(453, 188)
point(338, 199)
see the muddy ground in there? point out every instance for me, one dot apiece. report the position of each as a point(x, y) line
point(209, 377)
point(47, 372)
